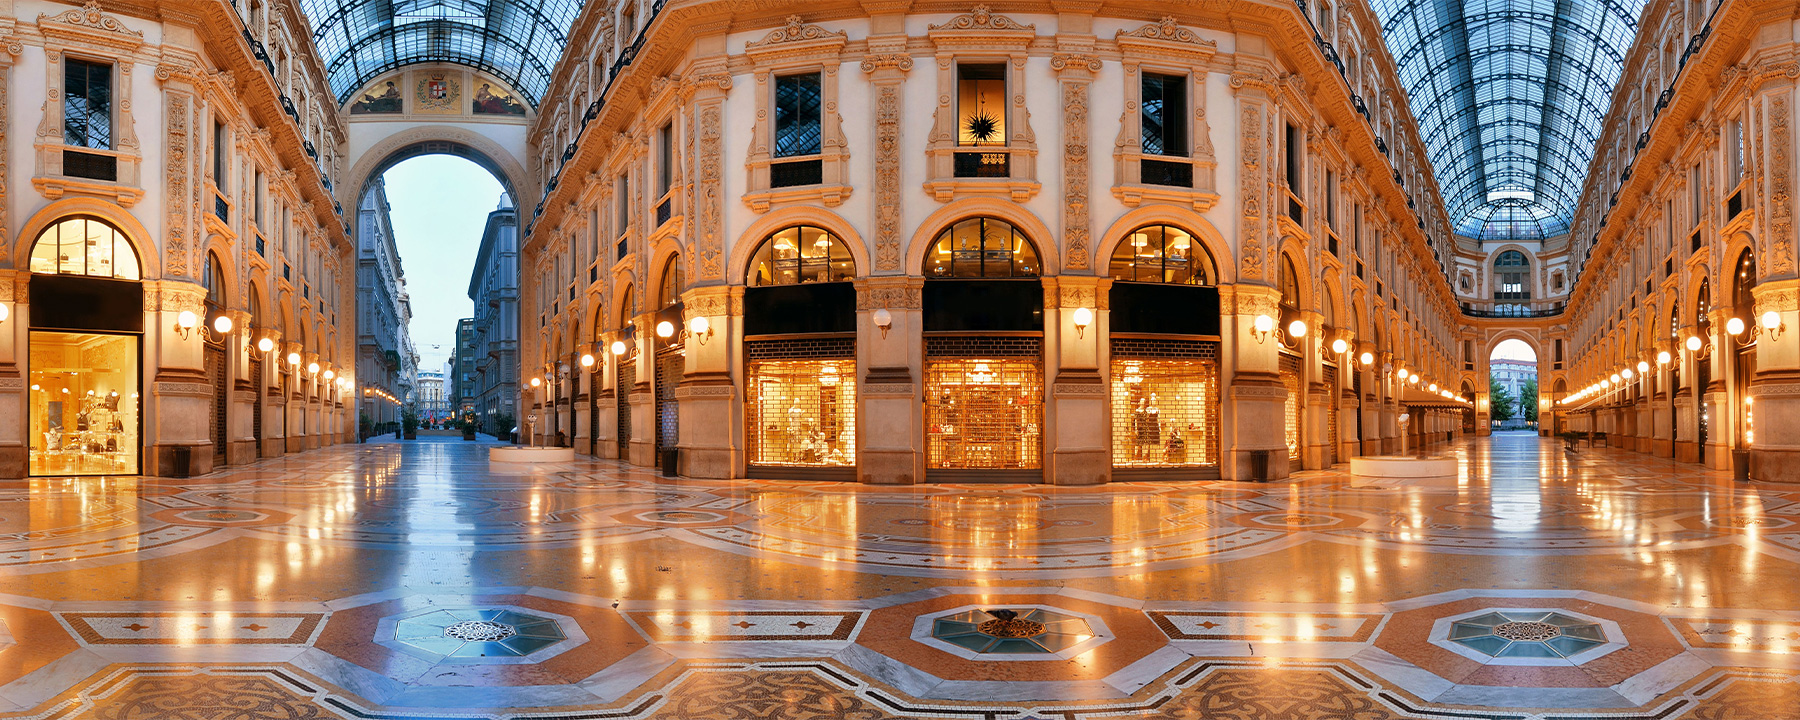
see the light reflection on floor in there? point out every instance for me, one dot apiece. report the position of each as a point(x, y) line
point(279, 586)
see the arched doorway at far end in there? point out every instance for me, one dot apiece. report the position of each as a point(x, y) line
point(1512, 386)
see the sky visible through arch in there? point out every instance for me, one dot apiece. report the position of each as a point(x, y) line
point(439, 205)
point(1513, 349)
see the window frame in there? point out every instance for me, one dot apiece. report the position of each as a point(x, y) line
point(764, 253)
point(793, 50)
point(1170, 50)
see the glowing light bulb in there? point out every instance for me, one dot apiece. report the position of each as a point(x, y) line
point(1263, 323)
point(587, 360)
point(618, 347)
point(1734, 327)
point(186, 320)
point(1693, 343)
point(265, 344)
point(1339, 346)
point(1297, 329)
point(1770, 319)
point(665, 329)
point(222, 324)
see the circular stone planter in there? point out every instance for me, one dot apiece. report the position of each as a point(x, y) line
point(1390, 466)
point(522, 454)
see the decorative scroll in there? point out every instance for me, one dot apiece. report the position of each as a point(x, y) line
point(1075, 173)
point(981, 18)
point(707, 246)
point(1781, 259)
point(177, 184)
point(1251, 230)
point(797, 31)
point(908, 297)
point(1168, 29)
point(887, 176)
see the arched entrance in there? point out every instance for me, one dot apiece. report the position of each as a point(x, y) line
point(86, 315)
point(1512, 386)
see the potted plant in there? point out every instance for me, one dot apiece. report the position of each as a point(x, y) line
point(364, 427)
point(503, 426)
point(467, 423)
point(409, 421)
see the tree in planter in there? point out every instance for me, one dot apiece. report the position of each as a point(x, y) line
point(1501, 403)
point(1528, 401)
point(409, 421)
point(503, 425)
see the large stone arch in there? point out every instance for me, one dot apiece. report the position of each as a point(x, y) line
point(439, 139)
point(1528, 337)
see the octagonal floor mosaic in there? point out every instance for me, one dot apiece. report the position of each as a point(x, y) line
point(1006, 630)
point(1522, 634)
point(478, 633)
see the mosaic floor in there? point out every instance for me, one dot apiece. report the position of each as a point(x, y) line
point(415, 581)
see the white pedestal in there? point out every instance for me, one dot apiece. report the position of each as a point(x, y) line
point(1391, 470)
point(523, 454)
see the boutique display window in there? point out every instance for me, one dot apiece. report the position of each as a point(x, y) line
point(1165, 404)
point(84, 404)
point(802, 406)
point(1290, 381)
point(984, 403)
point(801, 254)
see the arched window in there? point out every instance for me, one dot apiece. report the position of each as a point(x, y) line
point(1290, 289)
point(1162, 254)
point(84, 246)
point(213, 279)
point(625, 309)
point(800, 254)
point(1511, 270)
point(982, 247)
point(673, 282)
point(1743, 303)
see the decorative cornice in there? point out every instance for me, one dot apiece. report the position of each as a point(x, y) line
point(901, 61)
point(980, 19)
point(89, 24)
point(797, 31)
point(1168, 30)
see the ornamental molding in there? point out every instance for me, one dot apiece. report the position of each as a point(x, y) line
point(1077, 389)
point(881, 61)
point(797, 31)
point(981, 19)
point(1259, 391)
point(89, 24)
point(1075, 61)
point(907, 297)
point(903, 390)
point(1166, 36)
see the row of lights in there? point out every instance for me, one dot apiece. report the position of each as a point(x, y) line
point(186, 321)
point(1771, 322)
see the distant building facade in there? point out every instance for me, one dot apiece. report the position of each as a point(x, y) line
point(433, 403)
point(386, 362)
point(462, 367)
point(493, 359)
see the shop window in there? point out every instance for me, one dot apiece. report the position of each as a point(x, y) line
point(1290, 380)
point(84, 246)
point(801, 409)
point(1164, 254)
point(1165, 404)
point(84, 404)
point(984, 403)
point(982, 248)
point(801, 254)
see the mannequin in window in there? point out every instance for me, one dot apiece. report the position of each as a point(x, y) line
point(1149, 428)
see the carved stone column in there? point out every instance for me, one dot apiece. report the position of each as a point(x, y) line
point(1079, 435)
point(1775, 447)
point(711, 408)
point(1255, 402)
point(891, 363)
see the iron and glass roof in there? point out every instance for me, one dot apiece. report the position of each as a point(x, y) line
point(519, 41)
point(1509, 96)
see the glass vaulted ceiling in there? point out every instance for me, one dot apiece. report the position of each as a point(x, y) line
point(1509, 97)
point(517, 40)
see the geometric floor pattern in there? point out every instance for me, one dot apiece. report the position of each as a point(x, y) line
point(416, 581)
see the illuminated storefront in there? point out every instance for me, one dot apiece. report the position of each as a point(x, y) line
point(86, 323)
point(800, 357)
point(984, 368)
point(1164, 372)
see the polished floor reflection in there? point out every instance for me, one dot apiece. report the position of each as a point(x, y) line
point(417, 580)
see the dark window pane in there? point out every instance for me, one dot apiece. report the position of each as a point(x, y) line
point(1164, 111)
point(797, 115)
point(87, 104)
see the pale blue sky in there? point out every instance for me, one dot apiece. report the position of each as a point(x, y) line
point(1514, 349)
point(439, 206)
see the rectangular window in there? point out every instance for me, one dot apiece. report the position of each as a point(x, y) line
point(87, 104)
point(84, 418)
point(1699, 202)
point(797, 114)
point(1164, 114)
point(981, 105)
point(1734, 141)
point(259, 190)
point(1295, 144)
point(622, 221)
point(1331, 199)
point(665, 158)
point(221, 158)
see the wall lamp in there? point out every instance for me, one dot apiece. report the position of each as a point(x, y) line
point(312, 368)
point(1261, 327)
point(265, 344)
point(1082, 318)
point(883, 319)
point(293, 358)
point(185, 323)
point(1696, 346)
point(1367, 359)
point(1770, 321)
point(1643, 367)
point(535, 382)
point(1662, 357)
point(587, 360)
point(222, 324)
point(701, 328)
point(618, 347)
point(1339, 346)
point(5, 311)
point(665, 329)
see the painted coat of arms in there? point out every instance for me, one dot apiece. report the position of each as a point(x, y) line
point(438, 93)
